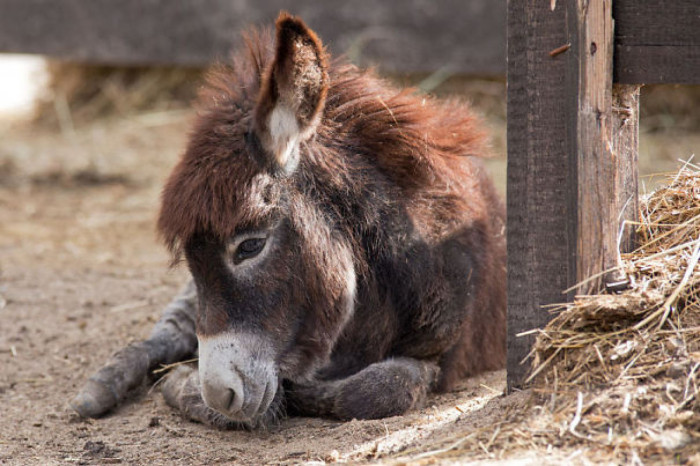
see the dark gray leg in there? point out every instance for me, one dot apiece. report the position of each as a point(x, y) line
point(172, 339)
point(383, 389)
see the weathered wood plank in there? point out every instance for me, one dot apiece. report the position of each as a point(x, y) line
point(657, 42)
point(397, 35)
point(571, 159)
point(590, 141)
point(539, 258)
point(653, 64)
point(625, 134)
point(604, 146)
point(651, 22)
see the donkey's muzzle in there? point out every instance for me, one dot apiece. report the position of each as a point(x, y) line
point(237, 376)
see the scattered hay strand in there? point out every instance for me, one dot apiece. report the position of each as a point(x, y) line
point(168, 367)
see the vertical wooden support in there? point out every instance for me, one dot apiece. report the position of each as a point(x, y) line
point(625, 111)
point(590, 139)
point(538, 171)
point(571, 159)
point(603, 144)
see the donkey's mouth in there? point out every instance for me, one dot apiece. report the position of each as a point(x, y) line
point(237, 378)
point(268, 413)
point(256, 403)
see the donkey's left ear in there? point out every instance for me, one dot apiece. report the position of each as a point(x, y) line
point(292, 94)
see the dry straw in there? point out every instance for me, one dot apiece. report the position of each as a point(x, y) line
point(615, 377)
point(77, 94)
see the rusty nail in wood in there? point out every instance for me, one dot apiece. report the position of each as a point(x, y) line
point(559, 50)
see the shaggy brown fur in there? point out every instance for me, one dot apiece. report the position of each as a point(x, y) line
point(382, 271)
point(390, 174)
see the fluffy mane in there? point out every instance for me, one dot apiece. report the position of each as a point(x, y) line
point(416, 142)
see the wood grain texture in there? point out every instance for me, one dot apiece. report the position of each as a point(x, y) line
point(605, 147)
point(571, 159)
point(654, 22)
point(625, 134)
point(590, 141)
point(657, 42)
point(396, 35)
point(538, 172)
point(657, 64)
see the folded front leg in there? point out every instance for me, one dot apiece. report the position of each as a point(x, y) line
point(173, 339)
point(383, 389)
point(182, 391)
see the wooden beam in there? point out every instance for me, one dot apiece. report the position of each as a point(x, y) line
point(654, 43)
point(592, 197)
point(396, 35)
point(657, 64)
point(540, 265)
point(625, 136)
point(651, 22)
point(571, 160)
point(657, 42)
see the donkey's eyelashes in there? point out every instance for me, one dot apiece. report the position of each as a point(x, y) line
point(248, 249)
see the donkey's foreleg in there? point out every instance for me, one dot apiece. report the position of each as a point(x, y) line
point(172, 339)
point(383, 389)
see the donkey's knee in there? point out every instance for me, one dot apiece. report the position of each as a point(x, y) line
point(181, 391)
point(384, 389)
point(175, 330)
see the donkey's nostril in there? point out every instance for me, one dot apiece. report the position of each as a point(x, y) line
point(231, 400)
point(222, 391)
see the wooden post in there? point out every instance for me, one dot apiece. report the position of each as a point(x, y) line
point(603, 142)
point(571, 163)
point(590, 140)
point(539, 265)
point(625, 112)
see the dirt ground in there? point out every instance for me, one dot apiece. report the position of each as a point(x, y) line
point(82, 274)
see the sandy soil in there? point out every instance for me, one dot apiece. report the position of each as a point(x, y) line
point(82, 274)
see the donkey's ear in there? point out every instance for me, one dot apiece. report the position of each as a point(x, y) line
point(293, 92)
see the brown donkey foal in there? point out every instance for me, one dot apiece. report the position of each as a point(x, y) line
point(347, 247)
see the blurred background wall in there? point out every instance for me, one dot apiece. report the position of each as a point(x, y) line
point(95, 60)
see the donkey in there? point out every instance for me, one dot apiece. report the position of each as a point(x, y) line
point(346, 246)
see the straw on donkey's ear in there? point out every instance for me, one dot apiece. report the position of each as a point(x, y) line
point(293, 92)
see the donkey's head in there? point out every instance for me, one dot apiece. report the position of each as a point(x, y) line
point(276, 284)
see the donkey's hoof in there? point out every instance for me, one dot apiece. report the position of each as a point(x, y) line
point(94, 399)
point(175, 385)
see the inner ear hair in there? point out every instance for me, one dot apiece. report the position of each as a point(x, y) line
point(293, 91)
point(300, 68)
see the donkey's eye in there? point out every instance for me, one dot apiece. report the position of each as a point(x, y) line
point(248, 248)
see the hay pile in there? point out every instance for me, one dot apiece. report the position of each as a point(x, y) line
point(78, 93)
point(615, 377)
point(628, 365)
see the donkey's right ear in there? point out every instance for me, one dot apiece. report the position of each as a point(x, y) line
point(292, 93)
